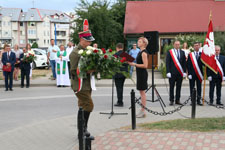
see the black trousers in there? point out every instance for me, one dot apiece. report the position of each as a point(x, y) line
point(25, 73)
point(119, 89)
point(199, 87)
point(8, 79)
point(215, 82)
point(69, 68)
point(175, 79)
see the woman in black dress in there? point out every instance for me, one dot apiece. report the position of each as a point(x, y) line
point(141, 72)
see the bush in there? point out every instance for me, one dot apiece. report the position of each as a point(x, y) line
point(34, 45)
point(162, 69)
point(220, 40)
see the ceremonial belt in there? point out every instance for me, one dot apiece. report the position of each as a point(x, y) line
point(176, 62)
point(220, 69)
point(196, 67)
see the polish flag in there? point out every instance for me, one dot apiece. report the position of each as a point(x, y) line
point(208, 52)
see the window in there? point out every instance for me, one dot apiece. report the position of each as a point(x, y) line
point(0, 23)
point(3, 23)
point(48, 33)
point(48, 41)
point(44, 41)
point(31, 24)
point(21, 24)
point(9, 23)
point(37, 53)
point(44, 33)
point(22, 41)
point(6, 33)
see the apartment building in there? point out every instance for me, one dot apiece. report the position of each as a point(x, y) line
point(35, 25)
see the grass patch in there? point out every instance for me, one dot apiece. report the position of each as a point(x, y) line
point(40, 73)
point(201, 125)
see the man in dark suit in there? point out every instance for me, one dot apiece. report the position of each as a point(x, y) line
point(195, 73)
point(175, 69)
point(216, 79)
point(8, 59)
point(25, 70)
point(119, 77)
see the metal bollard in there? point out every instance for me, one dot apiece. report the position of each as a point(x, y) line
point(193, 101)
point(81, 129)
point(88, 140)
point(133, 110)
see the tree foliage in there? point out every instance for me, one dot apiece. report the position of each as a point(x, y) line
point(34, 45)
point(106, 21)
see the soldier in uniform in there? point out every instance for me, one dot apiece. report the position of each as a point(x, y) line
point(84, 94)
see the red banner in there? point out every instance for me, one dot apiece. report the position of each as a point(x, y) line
point(208, 52)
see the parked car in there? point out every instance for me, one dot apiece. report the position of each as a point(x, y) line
point(41, 58)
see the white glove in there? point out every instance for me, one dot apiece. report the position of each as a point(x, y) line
point(210, 78)
point(168, 75)
point(223, 78)
point(184, 75)
point(190, 77)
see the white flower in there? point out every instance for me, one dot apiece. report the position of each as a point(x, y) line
point(80, 51)
point(88, 52)
point(90, 48)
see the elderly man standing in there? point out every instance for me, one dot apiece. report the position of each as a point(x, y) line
point(52, 50)
point(175, 69)
point(8, 60)
point(216, 79)
point(84, 94)
point(62, 70)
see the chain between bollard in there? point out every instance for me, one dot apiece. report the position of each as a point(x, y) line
point(162, 113)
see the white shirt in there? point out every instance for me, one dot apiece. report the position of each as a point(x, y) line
point(68, 51)
point(53, 54)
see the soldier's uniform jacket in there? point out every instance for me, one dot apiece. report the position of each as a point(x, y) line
point(74, 60)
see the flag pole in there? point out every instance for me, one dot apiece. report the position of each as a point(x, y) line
point(203, 97)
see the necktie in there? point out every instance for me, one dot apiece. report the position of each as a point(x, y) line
point(178, 55)
point(196, 55)
point(217, 57)
point(8, 55)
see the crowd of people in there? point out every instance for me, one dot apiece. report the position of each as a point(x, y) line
point(183, 63)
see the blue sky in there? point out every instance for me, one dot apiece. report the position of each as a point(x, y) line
point(62, 5)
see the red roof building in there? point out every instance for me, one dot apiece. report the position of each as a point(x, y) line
point(171, 17)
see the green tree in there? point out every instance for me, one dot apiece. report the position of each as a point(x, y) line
point(34, 45)
point(220, 40)
point(105, 24)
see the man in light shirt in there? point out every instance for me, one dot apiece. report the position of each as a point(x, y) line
point(69, 49)
point(52, 50)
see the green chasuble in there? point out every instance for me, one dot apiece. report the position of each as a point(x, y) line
point(64, 63)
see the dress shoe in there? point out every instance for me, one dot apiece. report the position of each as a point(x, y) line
point(27, 86)
point(11, 89)
point(171, 103)
point(199, 103)
point(141, 114)
point(6, 89)
point(59, 86)
point(219, 104)
point(21, 86)
point(119, 105)
point(178, 103)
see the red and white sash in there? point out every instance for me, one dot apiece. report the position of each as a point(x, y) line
point(80, 80)
point(176, 62)
point(196, 67)
point(220, 69)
